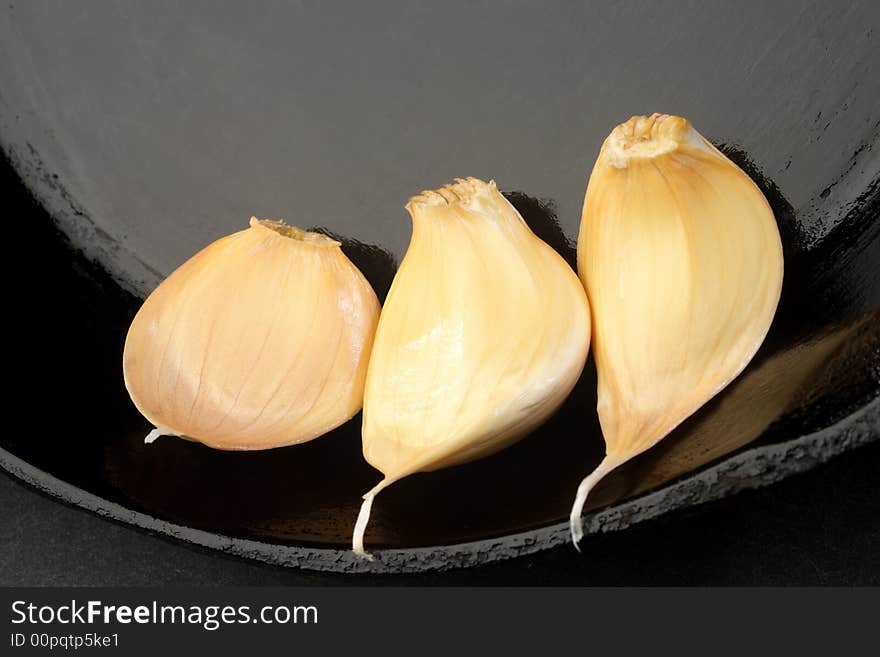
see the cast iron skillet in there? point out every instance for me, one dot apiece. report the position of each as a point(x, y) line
point(138, 167)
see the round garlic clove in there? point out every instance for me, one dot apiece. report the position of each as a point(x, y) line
point(260, 340)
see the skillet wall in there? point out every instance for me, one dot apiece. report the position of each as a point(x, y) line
point(151, 129)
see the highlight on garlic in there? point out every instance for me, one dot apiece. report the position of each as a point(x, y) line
point(682, 262)
point(260, 340)
point(484, 333)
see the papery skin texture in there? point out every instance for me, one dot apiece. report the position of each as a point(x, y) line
point(260, 340)
point(682, 262)
point(484, 333)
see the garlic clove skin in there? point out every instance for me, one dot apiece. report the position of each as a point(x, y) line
point(682, 262)
point(484, 333)
point(260, 340)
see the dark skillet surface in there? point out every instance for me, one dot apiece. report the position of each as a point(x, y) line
point(822, 527)
point(806, 377)
point(818, 366)
point(819, 528)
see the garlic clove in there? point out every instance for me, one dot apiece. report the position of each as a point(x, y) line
point(682, 262)
point(484, 333)
point(260, 340)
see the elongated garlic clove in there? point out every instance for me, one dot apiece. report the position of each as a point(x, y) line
point(682, 262)
point(484, 333)
point(260, 340)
